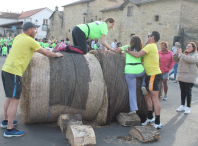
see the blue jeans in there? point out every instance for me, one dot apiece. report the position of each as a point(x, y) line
point(131, 82)
point(8, 48)
point(174, 71)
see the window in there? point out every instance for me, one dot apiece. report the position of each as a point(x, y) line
point(156, 18)
point(129, 10)
point(45, 21)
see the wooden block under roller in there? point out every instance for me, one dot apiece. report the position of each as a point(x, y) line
point(80, 135)
point(126, 119)
point(66, 119)
point(145, 133)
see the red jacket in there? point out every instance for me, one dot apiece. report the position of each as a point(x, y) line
point(166, 61)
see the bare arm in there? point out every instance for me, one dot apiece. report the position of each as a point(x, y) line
point(48, 53)
point(136, 54)
point(103, 41)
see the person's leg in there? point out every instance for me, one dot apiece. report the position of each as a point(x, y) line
point(183, 96)
point(165, 86)
point(80, 39)
point(74, 38)
point(6, 105)
point(171, 72)
point(189, 87)
point(11, 112)
point(183, 92)
point(131, 82)
point(175, 71)
point(143, 86)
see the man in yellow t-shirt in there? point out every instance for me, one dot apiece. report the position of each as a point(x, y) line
point(152, 79)
point(16, 63)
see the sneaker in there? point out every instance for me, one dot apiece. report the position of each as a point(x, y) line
point(165, 97)
point(12, 133)
point(132, 112)
point(148, 121)
point(187, 110)
point(181, 108)
point(4, 124)
point(158, 126)
point(144, 90)
point(174, 81)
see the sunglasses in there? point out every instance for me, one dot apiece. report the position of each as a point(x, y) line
point(150, 35)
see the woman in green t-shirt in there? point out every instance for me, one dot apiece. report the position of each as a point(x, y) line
point(94, 30)
point(133, 69)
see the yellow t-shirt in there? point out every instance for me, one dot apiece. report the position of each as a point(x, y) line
point(151, 60)
point(20, 55)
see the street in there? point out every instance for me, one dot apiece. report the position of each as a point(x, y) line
point(178, 129)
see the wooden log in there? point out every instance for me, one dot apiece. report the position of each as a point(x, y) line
point(69, 119)
point(145, 133)
point(126, 119)
point(80, 135)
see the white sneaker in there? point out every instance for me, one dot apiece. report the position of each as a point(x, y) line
point(148, 121)
point(144, 90)
point(187, 110)
point(158, 126)
point(165, 97)
point(174, 81)
point(181, 108)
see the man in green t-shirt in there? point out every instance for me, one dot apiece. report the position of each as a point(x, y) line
point(15, 65)
point(153, 72)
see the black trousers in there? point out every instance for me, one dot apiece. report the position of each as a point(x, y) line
point(186, 91)
point(79, 39)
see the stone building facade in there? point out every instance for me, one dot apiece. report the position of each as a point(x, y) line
point(73, 15)
point(140, 17)
point(166, 16)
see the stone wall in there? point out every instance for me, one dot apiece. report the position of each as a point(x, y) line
point(189, 21)
point(73, 15)
point(94, 8)
point(142, 21)
point(56, 27)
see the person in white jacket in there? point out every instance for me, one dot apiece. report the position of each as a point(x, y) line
point(113, 44)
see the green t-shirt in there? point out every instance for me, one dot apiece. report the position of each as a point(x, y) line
point(53, 45)
point(11, 41)
point(45, 45)
point(41, 43)
point(3, 41)
point(97, 28)
point(95, 46)
point(132, 69)
point(4, 50)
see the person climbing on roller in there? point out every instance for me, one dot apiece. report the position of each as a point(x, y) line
point(94, 30)
point(16, 63)
point(133, 69)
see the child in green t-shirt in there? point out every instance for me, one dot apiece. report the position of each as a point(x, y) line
point(4, 50)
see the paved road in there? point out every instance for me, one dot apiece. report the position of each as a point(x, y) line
point(179, 129)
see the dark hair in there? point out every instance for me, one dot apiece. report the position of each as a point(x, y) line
point(110, 20)
point(67, 39)
point(156, 35)
point(136, 43)
point(163, 42)
point(36, 39)
point(4, 45)
point(119, 43)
